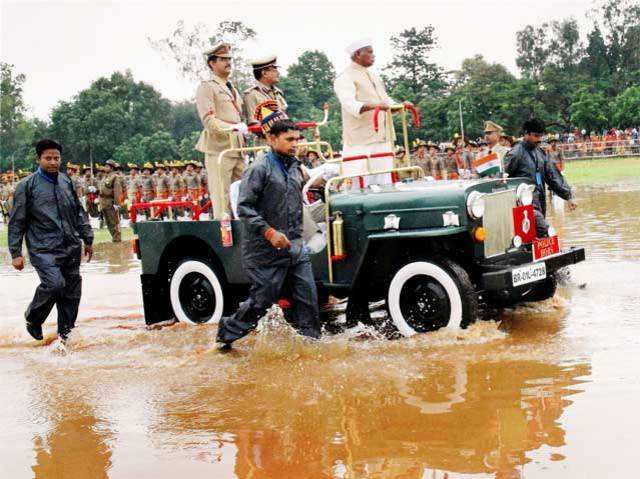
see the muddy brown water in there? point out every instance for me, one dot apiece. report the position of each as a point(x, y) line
point(549, 390)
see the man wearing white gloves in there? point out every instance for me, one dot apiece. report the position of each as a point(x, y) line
point(360, 92)
point(220, 109)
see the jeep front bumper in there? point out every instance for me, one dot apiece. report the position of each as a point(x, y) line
point(502, 278)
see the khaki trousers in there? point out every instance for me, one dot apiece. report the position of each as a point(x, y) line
point(220, 178)
point(112, 218)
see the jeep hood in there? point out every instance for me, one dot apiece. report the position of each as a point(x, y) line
point(414, 205)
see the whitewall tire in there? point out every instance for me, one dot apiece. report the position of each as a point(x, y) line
point(196, 293)
point(437, 296)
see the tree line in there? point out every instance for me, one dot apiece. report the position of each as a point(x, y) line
point(567, 77)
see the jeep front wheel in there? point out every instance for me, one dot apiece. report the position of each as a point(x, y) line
point(428, 295)
point(195, 292)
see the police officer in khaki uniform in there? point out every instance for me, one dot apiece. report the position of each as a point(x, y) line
point(449, 162)
point(176, 182)
point(435, 166)
point(419, 156)
point(400, 160)
point(147, 185)
point(72, 173)
point(89, 191)
point(7, 190)
point(162, 186)
point(176, 188)
point(492, 134)
point(220, 109)
point(112, 193)
point(134, 184)
point(265, 71)
point(201, 171)
point(192, 181)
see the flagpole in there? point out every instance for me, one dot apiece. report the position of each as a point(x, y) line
point(91, 162)
point(461, 121)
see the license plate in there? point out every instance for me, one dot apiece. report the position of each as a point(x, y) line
point(528, 274)
point(545, 247)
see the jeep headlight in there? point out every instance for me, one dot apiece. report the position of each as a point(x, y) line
point(524, 193)
point(475, 205)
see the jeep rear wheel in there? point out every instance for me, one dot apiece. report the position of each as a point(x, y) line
point(428, 295)
point(195, 292)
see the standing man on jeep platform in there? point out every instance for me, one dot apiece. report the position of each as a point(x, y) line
point(112, 192)
point(220, 111)
point(527, 160)
point(48, 213)
point(360, 92)
point(265, 71)
point(273, 252)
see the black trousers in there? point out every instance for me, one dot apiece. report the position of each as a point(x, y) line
point(60, 285)
point(542, 227)
point(267, 284)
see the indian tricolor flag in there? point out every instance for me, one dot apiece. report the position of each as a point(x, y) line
point(487, 165)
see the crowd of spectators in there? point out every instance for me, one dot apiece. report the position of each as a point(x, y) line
point(613, 142)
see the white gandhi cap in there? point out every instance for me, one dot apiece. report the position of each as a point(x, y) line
point(358, 44)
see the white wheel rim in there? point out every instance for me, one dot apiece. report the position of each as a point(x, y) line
point(407, 272)
point(184, 269)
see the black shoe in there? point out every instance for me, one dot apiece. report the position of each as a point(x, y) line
point(35, 331)
point(223, 347)
point(220, 333)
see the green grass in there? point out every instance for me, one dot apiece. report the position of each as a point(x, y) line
point(103, 236)
point(606, 170)
point(99, 236)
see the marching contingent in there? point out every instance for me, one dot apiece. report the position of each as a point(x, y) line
point(108, 191)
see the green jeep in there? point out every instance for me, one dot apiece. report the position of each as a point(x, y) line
point(433, 250)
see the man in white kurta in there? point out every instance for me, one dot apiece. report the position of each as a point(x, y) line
point(360, 92)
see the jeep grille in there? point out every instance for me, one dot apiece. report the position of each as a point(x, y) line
point(498, 222)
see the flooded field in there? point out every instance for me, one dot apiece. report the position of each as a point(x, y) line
point(548, 391)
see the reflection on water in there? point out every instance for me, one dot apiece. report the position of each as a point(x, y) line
point(107, 258)
point(462, 417)
point(114, 258)
point(76, 442)
point(503, 399)
point(473, 403)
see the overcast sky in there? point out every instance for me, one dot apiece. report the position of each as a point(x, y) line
point(62, 46)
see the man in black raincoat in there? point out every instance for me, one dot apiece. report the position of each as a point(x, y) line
point(273, 253)
point(528, 160)
point(46, 211)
